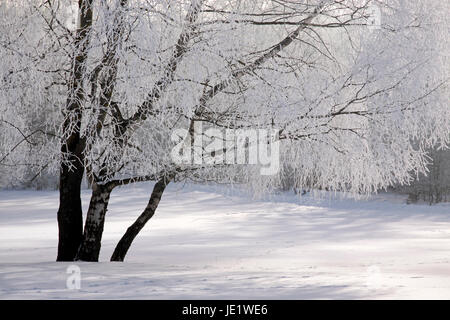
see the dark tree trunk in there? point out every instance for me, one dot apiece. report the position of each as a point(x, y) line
point(95, 220)
point(125, 242)
point(70, 216)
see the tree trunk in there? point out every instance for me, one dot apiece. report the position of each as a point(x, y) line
point(70, 215)
point(95, 220)
point(125, 242)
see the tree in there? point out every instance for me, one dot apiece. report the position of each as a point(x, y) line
point(344, 103)
point(432, 186)
point(347, 145)
point(25, 132)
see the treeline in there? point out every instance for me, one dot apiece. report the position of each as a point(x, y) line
point(433, 187)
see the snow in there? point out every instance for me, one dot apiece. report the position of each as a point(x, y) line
point(207, 243)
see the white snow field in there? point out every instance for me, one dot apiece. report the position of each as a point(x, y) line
point(204, 243)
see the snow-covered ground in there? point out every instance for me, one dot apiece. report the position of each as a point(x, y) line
point(204, 243)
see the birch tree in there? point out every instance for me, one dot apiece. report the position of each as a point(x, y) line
point(345, 90)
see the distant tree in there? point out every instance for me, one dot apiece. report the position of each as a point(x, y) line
point(432, 186)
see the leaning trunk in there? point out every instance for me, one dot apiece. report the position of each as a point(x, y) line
point(124, 244)
point(95, 220)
